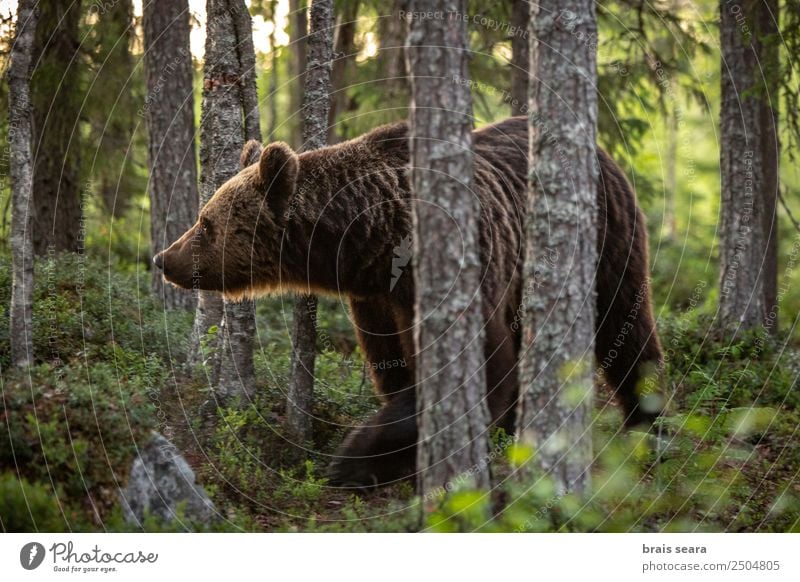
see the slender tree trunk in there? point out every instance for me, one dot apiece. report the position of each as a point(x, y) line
point(392, 30)
point(20, 137)
point(344, 55)
point(298, 46)
point(236, 371)
point(556, 370)
point(169, 111)
point(520, 16)
point(743, 235)
point(316, 109)
point(273, 76)
point(451, 382)
point(670, 179)
point(229, 116)
point(57, 99)
point(111, 107)
point(768, 25)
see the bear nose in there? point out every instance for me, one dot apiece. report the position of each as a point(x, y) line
point(158, 260)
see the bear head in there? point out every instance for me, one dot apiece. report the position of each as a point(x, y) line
point(234, 245)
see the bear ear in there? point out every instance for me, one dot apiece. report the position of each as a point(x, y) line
point(251, 153)
point(277, 170)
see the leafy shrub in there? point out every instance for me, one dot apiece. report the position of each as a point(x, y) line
point(28, 507)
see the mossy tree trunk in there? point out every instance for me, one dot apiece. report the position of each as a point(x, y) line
point(557, 351)
point(448, 329)
point(169, 113)
point(20, 137)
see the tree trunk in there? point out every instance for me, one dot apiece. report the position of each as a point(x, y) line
point(520, 16)
point(273, 76)
point(298, 46)
point(169, 111)
point(57, 99)
point(394, 85)
point(111, 107)
point(671, 162)
point(768, 24)
point(20, 136)
point(451, 384)
point(316, 109)
point(344, 54)
point(228, 118)
point(236, 370)
point(743, 234)
point(556, 370)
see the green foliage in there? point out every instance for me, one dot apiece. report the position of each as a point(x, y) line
point(75, 427)
point(28, 507)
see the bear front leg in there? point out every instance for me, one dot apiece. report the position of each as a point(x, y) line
point(382, 343)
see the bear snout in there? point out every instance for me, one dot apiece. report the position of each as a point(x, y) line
point(158, 260)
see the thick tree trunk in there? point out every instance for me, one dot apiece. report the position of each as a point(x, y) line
point(743, 230)
point(344, 55)
point(451, 384)
point(236, 371)
point(557, 353)
point(229, 115)
point(520, 55)
point(316, 109)
point(768, 24)
point(20, 136)
point(57, 100)
point(169, 111)
point(298, 46)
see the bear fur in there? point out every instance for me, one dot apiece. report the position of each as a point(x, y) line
point(331, 221)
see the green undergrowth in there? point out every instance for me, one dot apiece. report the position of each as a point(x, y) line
point(109, 371)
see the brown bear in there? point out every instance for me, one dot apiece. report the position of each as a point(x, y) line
point(331, 221)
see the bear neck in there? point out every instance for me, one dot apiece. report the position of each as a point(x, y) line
point(345, 200)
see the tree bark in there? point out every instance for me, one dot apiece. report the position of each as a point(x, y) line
point(169, 112)
point(273, 76)
point(344, 55)
point(229, 116)
point(556, 369)
point(316, 109)
point(298, 45)
point(743, 231)
point(768, 25)
point(111, 107)
point(20, 137)
point(237, 373)
point(451, 384)
point(57, 99)
point(520, 16)
point(392, 30)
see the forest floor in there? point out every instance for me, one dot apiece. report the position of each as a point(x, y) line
point(726, 458)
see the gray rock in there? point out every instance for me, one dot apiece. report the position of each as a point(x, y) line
point(161, 482)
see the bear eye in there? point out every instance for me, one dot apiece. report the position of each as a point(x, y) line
point(205, 227)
